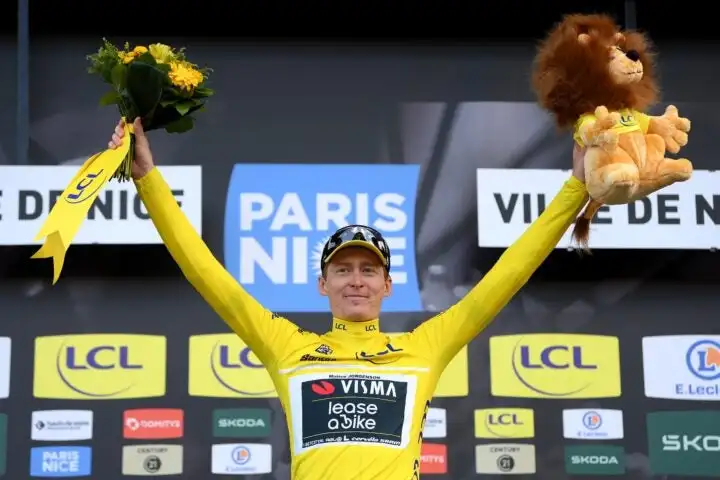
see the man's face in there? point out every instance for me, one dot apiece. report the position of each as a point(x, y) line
point(355, 283)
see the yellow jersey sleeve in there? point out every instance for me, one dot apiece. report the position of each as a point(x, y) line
point(643, 120)
point(445, 334)
point(264, 332)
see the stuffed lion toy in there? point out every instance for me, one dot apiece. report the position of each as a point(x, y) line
point(599, 80)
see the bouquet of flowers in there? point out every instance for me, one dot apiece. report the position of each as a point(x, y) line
point(156, 83)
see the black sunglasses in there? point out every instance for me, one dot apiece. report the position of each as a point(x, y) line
point(357, 236)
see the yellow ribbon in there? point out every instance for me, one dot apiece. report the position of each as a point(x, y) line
point(72, 206)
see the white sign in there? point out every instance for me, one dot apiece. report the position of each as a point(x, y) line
point(593, 424)
point(55, 425)
point(5, 349)
point(118, 216)
point(435, 423)
point(682, 367)
point(241, 459)
point(685, 215)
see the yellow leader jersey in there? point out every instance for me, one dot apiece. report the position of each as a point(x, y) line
point(630, 121)
point(355, 399)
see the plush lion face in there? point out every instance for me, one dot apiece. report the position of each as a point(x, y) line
point(586, 61)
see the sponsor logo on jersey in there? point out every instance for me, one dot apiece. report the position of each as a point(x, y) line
point(221, 365)
point(593, 424)
point(59, 425)
point(555, 366)
point(152, 459)
point(389, 354)
point(312, 358)
point(338, 408)
point(684, 443)
point(275, 229)
point(505, 458)
point(595, 460)
point(504, 423)
point(99, 367)
point(324, 350)
point(153, 423)
point(241, 422)
point(241, 459)
point(70, 461)
point(682, 367)
point(433, 458)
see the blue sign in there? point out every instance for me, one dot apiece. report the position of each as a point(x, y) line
point(278, 217)
point(65, 461)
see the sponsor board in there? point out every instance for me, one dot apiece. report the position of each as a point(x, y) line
point(99, 366)
point(685, 215)
point(505, 459)
point(433, 458)
point(65, 461)
point(241, 459)
point(222, 366)
point(682, 367)
point(593, 424)
point(684, 442)
point(555, 365)
point(595, 460)
point(5, 356)
point(435, 423)
point(275, 230)
point(61, 425)
point(504, 423)
point(117, 217)
point(153, 423)
point(241, 422)
point(152, 460)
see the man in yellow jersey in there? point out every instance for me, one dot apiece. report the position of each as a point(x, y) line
point(355, 398)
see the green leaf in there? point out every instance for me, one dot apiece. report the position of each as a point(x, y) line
point(110, 98)
point(167, 103)
point(144, 86)
point(184, 106)
point(203, 92)
point(118, 76)
point(181, 125)
point(145, 58)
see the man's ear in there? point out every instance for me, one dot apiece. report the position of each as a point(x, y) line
point(388, 286)
point(322, 286)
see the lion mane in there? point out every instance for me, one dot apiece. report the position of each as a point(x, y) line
point(571, 79)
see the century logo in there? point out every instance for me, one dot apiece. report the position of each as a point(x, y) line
point(275, 230)
point(99, 367)
point(241, 422)
point(555, 366)
point(221, 365)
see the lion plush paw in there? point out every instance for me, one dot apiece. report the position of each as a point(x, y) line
point(672, 128)
point(599, 133)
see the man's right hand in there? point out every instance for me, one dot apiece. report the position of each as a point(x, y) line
point(143, 161)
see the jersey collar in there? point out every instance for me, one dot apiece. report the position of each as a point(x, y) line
point(369, 327)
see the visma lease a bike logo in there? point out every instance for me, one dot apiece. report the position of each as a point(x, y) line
point(278, 217)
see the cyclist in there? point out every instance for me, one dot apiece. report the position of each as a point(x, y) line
point(355, 398)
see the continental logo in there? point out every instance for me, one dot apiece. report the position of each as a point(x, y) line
point(221, 365)
point(555, 366)
point(99, 367)
point(504, 423)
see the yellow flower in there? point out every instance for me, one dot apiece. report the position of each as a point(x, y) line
point(184, 76)
point(128, 57)
point(161, 53)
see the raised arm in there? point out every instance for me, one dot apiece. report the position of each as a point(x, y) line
point(264, 332)
point(446, 333)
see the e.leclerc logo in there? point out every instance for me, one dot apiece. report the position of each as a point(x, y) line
point(99, 367)
point(555, 366)
point(278, 217)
